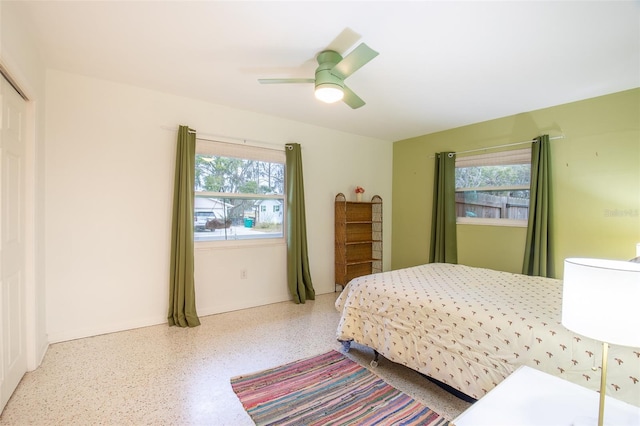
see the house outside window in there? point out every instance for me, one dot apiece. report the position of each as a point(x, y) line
point(235, 187)
point(494, 188)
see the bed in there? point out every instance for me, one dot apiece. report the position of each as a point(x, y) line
point(469, 328)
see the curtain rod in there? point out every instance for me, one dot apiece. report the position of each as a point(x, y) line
point(498, 146)
point(239, 141)
point(503, 146)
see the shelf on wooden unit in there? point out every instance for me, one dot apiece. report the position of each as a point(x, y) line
point(358, 238)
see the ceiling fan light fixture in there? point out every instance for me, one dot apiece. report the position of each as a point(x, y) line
point(332, 70)
point(329, 93)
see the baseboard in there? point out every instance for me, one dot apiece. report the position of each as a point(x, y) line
point(148, 322)
point(111, 328)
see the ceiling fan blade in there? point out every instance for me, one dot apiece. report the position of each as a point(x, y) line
point(351, 99)
point(285, 80)
point(354, 61)
point(344, 41)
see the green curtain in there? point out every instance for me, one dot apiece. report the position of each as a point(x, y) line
point(444, 246)
point(537, 255)
point(182, 296)
point(298, 274)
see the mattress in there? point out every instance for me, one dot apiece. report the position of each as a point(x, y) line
point(471, 327)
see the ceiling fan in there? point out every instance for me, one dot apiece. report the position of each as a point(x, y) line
point(332, 70)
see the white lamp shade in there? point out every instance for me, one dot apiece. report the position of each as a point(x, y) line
point(329, 93)
point(601, 300)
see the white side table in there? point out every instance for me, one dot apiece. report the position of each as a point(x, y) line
point(529, 397)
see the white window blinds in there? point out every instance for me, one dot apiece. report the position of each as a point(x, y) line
point(514, 156)
point(226, 149)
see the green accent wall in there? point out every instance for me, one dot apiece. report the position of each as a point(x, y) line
point(595, 190)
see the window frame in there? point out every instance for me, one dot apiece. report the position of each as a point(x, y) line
point(249, 152)
point(504, 158)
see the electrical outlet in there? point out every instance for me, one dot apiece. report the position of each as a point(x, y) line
point(243, 274)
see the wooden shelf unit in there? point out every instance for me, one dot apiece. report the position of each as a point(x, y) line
point(358, 238)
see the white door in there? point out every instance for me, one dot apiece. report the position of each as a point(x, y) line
point(12, 249)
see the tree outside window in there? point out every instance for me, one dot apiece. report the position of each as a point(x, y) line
point(232, 184)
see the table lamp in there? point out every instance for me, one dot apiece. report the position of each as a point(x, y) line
point(600, 301)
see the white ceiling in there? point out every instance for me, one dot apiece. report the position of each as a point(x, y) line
point(442, 64)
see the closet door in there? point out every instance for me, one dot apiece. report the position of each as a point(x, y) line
point(12, 245)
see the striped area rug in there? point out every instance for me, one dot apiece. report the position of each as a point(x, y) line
point(328, 389)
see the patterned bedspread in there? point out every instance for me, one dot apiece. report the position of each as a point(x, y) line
point(471, 327)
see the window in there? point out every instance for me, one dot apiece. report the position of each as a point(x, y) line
point(494, 188)
point(239, 191)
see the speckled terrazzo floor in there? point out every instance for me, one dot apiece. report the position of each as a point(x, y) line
point(164, 375)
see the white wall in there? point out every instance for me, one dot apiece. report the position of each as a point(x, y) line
point(110, 165)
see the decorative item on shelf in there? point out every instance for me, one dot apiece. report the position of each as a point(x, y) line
point(600, 301)
point(359, 192)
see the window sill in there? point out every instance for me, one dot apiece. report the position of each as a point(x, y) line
point(491, 222)
point(237, 244)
